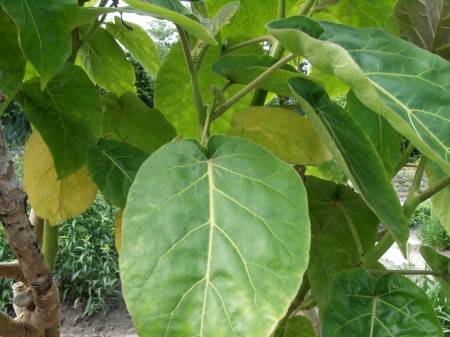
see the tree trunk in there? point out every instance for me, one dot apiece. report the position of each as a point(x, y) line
point(43, 310)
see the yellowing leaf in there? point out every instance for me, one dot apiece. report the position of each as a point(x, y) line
point(118, 230)
point(284, 132)
point(52, 199)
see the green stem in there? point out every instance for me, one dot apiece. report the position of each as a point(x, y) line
point(405, 272)
point(252, 85)
point(307, 7)
point(205, 131)
point(260, 96)
point(50, 245)
point(404, 158)
point(428, 193)
point(192, 68)
point(247, 43)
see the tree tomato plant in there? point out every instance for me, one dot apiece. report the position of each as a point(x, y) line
point(230, 225)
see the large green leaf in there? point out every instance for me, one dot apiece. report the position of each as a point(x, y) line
point(356, 155)
point(113, 166)
point(298, 326)
point(439, 201)
point(129, 120)
point(214, 241)
point(244, 68)
point(173, 5)
point(386, 140)
point(386, 307)
point(343, 230)
point(360, 13)
point(138, 42)
point(286, 133)
point(107, 64)
point(405, 84)
point(438, 263)
point(12, 62)
point(44, 32)
point(67, 114)
point(426, 23)
point(192, 26)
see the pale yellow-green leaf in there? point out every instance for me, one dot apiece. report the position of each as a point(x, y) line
point(52, 199)
point(286, 133)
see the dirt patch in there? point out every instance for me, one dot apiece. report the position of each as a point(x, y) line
point(115, 323)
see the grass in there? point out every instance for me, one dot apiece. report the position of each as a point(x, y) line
point(439, 302)
point(87, 269)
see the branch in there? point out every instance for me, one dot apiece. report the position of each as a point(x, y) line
point(12, 271)
point(428, 193)
point(252, 85)
point(260, 39)
point(20, 235)
point(404, 158)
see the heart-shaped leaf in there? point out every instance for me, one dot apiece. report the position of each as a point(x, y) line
point(107, 64)
point(12, 61)
point(44, 32)
point(356, 155)
point(128, 119)
point(389, 306)
point(54, 199)
point(214, 241)
point(286, 133)
point(67, 114)
point(343, 230)
point(407, 85)
point(113, 166)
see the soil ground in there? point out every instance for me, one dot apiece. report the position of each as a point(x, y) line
point(117, 322)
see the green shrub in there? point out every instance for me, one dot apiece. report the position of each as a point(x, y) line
point(87, 268)
point(431, 231)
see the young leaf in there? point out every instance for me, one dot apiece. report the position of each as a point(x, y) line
point(286, 133)
point(405, 84)
point(343, 229)
point(128, 119)
point(12, 62)
point(44, 32)
point(297, 326)
point(192, 26)
point(356, 155)
point(52, 198)
point(426, 24)
point(440, 264)
point(244, 68)
point(113, 166)
point(107, 64)
point(386, 140)
point(389, 306)
point(439, 201)
point(233, 219)
point(67, 114)
point(138, 42)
